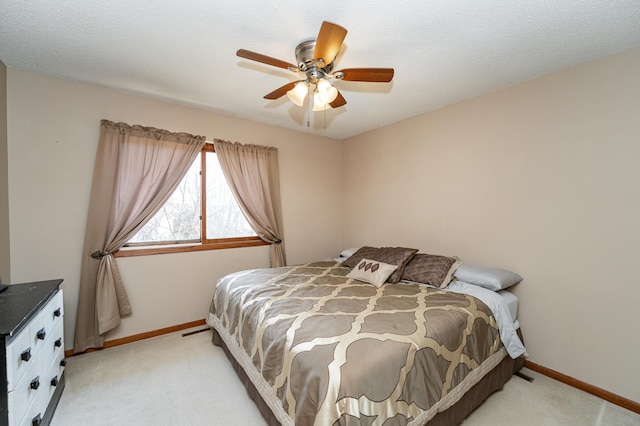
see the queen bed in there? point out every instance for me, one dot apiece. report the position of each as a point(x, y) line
point(335, 343)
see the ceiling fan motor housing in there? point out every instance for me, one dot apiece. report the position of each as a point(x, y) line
point(313, 68)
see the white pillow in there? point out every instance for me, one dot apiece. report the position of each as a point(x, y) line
point(491, 278)
point(348, 252)
point(372, 272)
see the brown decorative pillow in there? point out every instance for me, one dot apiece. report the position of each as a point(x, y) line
point(395, 256)
point(431, 269)
point(398, 256)
point(361, 253)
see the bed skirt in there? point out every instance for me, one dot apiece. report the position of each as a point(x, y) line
point(492, 382)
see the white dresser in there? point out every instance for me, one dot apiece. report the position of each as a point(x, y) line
point(31, 326)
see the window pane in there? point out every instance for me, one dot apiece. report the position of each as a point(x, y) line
point(179, 218)
point(224, 218)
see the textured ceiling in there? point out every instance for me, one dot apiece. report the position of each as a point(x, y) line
point(443, 51)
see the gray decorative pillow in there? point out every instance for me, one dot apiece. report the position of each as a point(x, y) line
point(491, 278)
point(398, 256)
point(431, 269)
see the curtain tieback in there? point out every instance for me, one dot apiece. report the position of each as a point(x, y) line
point(99, 254)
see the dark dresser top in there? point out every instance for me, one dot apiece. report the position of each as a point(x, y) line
point(20, 301)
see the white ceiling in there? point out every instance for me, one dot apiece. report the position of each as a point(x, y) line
point(443, 51)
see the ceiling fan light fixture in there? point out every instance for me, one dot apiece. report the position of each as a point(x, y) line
point(326, 91)
point(318, 103)
point(298, 93)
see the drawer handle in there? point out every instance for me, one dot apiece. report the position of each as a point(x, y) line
point(41, 334)
point(35, 383)
point(37, 420)
point(57, 312)
point(26, 355)
point(54, 381)
point(63, 362)
point(58, 343)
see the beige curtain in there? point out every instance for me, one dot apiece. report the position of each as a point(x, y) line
point(252, 174)
point(136, 170)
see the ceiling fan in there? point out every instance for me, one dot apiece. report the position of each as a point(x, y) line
point(315, 59)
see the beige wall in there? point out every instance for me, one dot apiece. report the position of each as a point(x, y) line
point(541, 178)
point(53, 135)
point(5, 264)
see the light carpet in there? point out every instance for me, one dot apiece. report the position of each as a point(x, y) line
point(175, 380)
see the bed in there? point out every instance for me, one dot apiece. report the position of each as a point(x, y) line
point(315, 346)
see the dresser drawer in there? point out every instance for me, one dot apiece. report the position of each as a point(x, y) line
point(26, 389)
point(39, 403)
point(53, 347)
point(45, 321)
point(19, 357)
point(35, 413)
point(55, 374)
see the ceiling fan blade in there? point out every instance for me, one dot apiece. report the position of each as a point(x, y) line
point(376, 75)
point(339, 101)
point(281, 91)
point(258, 57)
point(329, 42)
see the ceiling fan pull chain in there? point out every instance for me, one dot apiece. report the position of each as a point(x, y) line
point(309, 101)
point(325, 118)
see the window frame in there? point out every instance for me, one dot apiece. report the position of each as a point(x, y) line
point(183, 246)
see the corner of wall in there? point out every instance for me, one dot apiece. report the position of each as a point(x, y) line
point(5, 264)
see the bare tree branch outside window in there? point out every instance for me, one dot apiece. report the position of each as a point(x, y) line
point(179, 218)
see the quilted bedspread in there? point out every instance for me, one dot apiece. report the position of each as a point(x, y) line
point(324, 349)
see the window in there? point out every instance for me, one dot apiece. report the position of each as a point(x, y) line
point(201, 214)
